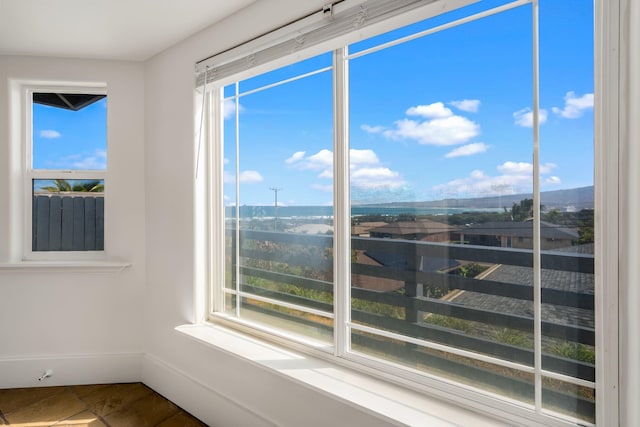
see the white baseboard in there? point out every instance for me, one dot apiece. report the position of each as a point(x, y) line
point(70, 370)
point(197, 398)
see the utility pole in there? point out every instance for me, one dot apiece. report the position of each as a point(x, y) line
point(275, 219)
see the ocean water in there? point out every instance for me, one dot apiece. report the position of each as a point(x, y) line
point(327, 211)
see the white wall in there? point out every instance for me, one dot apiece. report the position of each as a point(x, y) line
point(96, 327)
point(218, 388)
point(86, 326)
point(228, 384)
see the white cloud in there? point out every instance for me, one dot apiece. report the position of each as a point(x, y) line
point(444, 131)
point(546, 168)
point(365, 168)
point(434, 124)
point(467, 150)
point(363, 157)
point(513, 178)
point(524, 117)
point(97, 160)
point(250, 177)
point(478, 184)
point(229, 109)
point(552, 180)
point(321, 160)
point(372, 129)
point(50, 134)
point(468, 105)
point(298, 155)
point(374, 178)
point(91, 163)
point(574, 106)
point(431, 111)
point(246, 177)
point(511, 168)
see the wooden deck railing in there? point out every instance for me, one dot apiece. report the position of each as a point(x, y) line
point(261, 251)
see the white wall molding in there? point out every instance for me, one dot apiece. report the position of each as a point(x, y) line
point(71, 369)
point(198, 398)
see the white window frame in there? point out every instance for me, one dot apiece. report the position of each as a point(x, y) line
point(27, 89)
point(607, 128)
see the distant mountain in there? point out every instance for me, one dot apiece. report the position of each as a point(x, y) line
point(562, 200)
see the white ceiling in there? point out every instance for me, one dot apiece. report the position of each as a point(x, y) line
point(106, 29)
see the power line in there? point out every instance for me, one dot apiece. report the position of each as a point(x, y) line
point(275, 219)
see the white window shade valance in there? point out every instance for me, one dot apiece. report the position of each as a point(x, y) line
point(342, 23)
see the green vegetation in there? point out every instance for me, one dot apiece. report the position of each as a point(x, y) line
point(449, 322)
point(568, 349)
point(469, 270)
point(392, 311)
point(582, 220)
point(513, 337)
point(62, 185)
point(311, 259)
point(585, 223)
point(434, 291)
point(311, 294)
point(522, 211)
point(573, 350)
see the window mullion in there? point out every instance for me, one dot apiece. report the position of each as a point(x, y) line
point(217, 234)
point(342, 212)
point(66, 174)
point(537, 307)
point(237, 217)
point(609, 183)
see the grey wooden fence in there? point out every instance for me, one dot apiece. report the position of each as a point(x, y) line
point(412, 304)
point(68, 223)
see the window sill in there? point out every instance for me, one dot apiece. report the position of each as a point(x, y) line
point(65, 266)
point(399, 405)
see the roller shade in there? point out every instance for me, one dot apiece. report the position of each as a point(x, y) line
point(335, 25)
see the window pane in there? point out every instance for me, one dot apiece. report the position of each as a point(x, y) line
point(441, 196)
point(287, 319)
point(441, 182)
point(279, 190)
point(566, 141)
point(290, 71)
point(68, 215)
point(69, 131)
point(562, 398)
point(511, 383)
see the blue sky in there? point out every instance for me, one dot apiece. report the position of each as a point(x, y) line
point(443, 116)
point(70, 140)
point(447, 115)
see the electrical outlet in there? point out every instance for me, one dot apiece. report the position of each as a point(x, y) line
point(48, 373)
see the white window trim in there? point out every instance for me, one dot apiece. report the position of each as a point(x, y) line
point(99, 266)
point(348, 383)
point(22, 249)
point(610, 96)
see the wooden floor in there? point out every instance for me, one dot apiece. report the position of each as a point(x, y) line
point(113, 405)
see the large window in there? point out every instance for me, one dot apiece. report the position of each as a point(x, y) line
point(66, 160)
point(422, 202)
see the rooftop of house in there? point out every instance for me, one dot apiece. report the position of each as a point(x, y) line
point(414, 227)
point(520, 229)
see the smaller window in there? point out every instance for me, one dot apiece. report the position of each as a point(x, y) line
point(66, 157)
